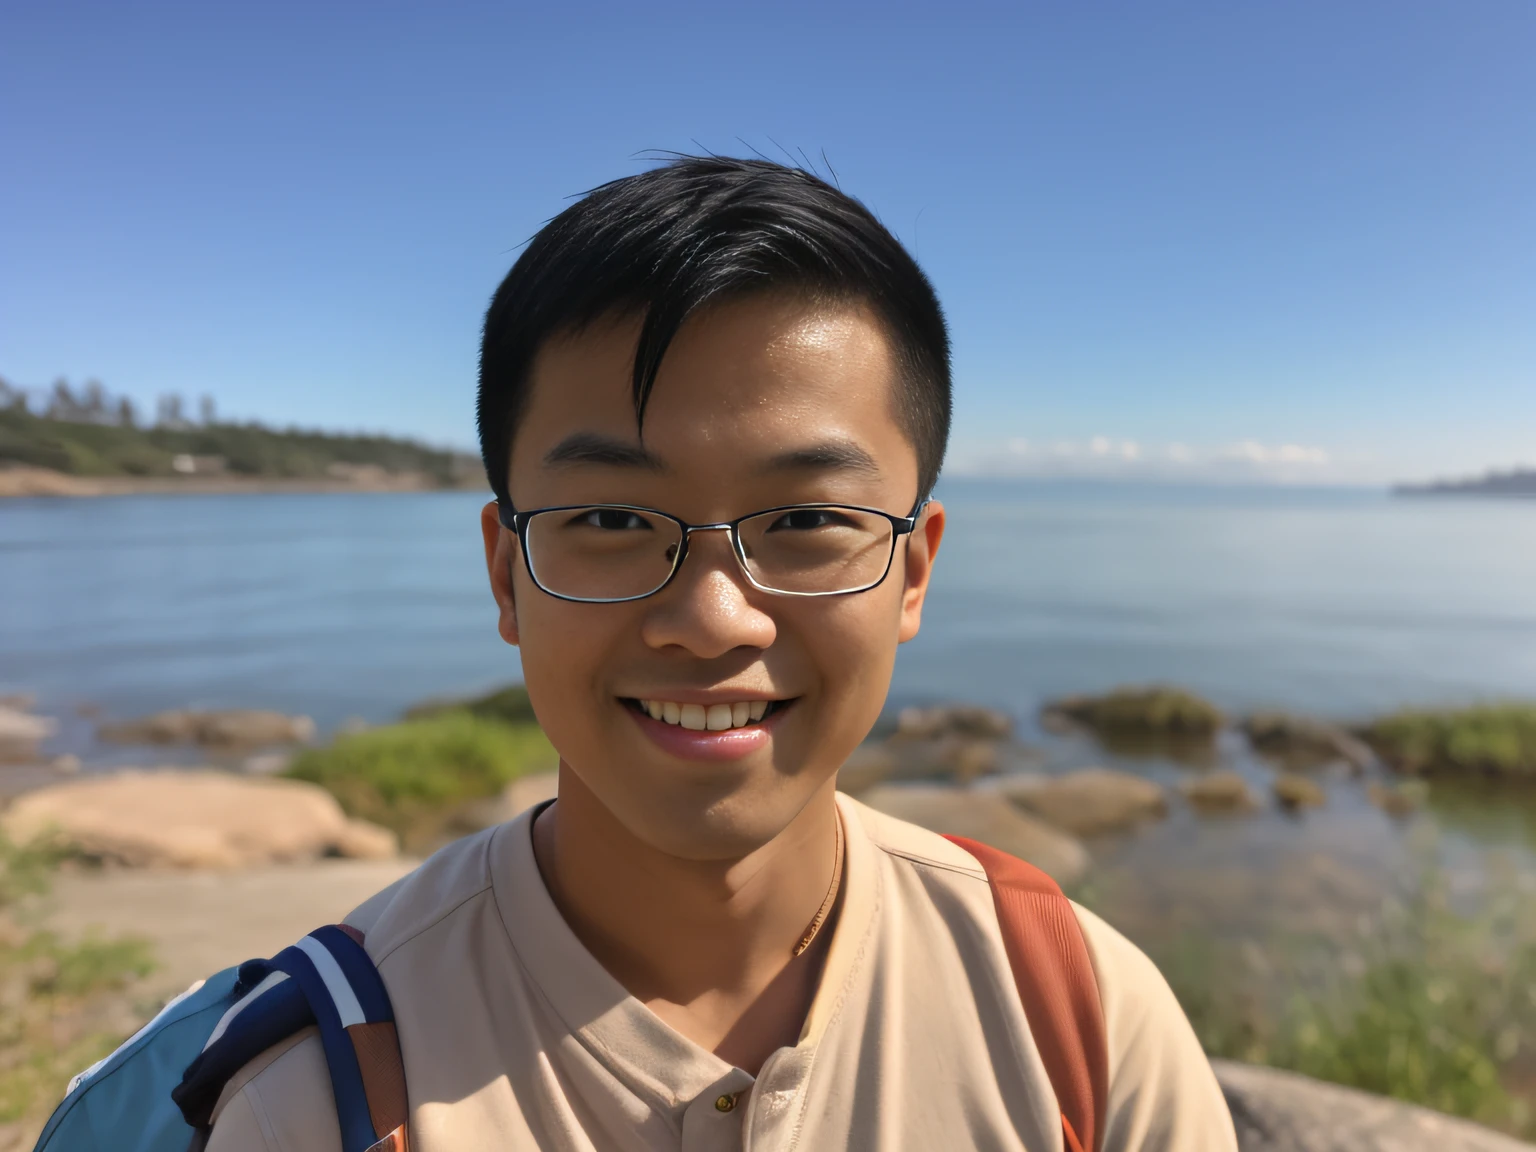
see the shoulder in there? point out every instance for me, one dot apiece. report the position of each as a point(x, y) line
point(1162, 1092)
point(909, 845)
point(281, 1101)
point(448, 882)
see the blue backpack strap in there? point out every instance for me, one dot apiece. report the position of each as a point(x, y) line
point(326, 979)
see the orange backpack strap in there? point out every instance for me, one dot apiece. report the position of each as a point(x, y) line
point(1054, 975)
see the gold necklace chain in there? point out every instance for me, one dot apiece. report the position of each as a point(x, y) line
point(826, 901)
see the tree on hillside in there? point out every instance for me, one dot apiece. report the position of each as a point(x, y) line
point(62, 404)
point(207, 410)
point(93, 404)
point(168, 414)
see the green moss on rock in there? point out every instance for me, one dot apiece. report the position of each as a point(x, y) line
point(1490, 740)
point(1153, 711)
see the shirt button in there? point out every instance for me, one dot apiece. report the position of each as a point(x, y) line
point(725, 1103)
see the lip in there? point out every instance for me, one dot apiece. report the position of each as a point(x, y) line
point(690, 744)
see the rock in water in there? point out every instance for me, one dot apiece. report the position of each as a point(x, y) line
point(21, 733)
point(1295, 791)
point(195, 819)
point(1219, 792)
point(988, 817)
point(1095, 801)
point(1276, 1111)
point(1402, 799)
point(230, 728)
point(1305, 741)
point(953, 720)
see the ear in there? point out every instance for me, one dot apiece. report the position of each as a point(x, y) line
point(922, 547)
point(500, 554)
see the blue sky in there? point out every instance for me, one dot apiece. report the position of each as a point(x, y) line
point(1289, 241)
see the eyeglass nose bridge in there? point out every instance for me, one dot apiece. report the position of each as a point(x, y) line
point(733, 535)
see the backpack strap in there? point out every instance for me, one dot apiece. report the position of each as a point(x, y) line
point(1054, 974)
point(326, 979)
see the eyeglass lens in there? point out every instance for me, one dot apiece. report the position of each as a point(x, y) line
point(608, 553)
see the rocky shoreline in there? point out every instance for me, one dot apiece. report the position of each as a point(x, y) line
point(956, 769)
point(18, 482)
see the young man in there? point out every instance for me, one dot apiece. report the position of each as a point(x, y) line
point(714, 399)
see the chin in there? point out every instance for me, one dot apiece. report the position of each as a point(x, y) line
point(699, 823)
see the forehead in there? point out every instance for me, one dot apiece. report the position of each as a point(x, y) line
point(746, 388)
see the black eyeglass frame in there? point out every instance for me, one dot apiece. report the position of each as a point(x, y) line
point(517, 522)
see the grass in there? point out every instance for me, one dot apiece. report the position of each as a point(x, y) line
point(63, 1006)
point(413, 776)
point(1491, 740)
point(1432, 1003)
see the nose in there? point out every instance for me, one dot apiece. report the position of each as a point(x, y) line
point(709, 608)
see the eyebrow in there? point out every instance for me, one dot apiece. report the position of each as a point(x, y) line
point(594, 448)
point(830, 455)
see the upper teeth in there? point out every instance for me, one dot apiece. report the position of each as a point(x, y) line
point(711, 717)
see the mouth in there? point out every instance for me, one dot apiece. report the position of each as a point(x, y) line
point(712, 732)
point(721, 717)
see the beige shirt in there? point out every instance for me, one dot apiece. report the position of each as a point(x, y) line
point(515, 1038)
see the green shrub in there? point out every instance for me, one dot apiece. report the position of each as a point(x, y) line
point(1493, 739)
point(411, 776)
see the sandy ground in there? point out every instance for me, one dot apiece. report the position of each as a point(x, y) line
point(200, 922)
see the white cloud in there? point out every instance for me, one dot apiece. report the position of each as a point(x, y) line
point(1256, 453)
point(1242, 461)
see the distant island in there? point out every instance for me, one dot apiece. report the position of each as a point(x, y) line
point(65, 441)
point(1518, 482)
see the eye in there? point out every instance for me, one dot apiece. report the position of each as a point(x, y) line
point(807, 520)
point(612, 520)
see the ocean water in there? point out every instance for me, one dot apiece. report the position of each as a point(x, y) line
point(1344, 603)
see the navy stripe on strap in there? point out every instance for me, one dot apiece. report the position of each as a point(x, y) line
point(357, 1134)
point(271, 1017)
point(357, 966)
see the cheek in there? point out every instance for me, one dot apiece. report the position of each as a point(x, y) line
point(853, 647)
point(565, 648)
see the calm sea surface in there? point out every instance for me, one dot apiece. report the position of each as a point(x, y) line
point(1340, 603)
point(1343, 603)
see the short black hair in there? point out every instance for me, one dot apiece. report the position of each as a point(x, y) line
point(699, 230)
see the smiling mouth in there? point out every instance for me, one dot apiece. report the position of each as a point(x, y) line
point(709, 717)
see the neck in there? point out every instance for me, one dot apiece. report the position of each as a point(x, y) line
point(709, 945)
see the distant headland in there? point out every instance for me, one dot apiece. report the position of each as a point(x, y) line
point(64, 441)
point(1517, 482)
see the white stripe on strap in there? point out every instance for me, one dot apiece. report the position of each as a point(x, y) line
point(336, 983)
point(272, 979)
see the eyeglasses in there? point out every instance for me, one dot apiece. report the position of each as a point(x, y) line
point(610, 553)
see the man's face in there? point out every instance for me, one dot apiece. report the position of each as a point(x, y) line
point(761, 402)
